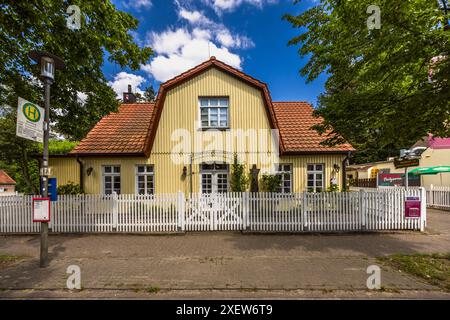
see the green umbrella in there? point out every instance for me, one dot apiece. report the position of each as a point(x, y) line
point(430, 170)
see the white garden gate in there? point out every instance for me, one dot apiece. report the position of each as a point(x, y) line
point(214, 211)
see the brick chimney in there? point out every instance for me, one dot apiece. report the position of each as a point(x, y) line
point(129, 97)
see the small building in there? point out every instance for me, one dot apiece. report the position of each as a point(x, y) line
point(188, 139)
point(7, 184)
point(432, 151)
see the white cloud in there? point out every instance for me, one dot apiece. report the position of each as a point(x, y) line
point(169, 41)
point(137, 4)
point(222, 34)
point(194, 17)
point(230, 5)
point(226, 39)
point(185, 47)
point(187, 50)
point(123, 79)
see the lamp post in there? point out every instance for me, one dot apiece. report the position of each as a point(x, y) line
point(48, 63)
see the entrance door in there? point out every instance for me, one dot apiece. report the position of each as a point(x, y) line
point(214, 178)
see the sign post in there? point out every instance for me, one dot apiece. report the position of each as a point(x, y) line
point(41, 209)
point(30, 121)
point(406, 163)
point(48, 63)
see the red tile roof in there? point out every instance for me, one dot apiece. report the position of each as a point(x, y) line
point(131, 131)
point(5, 179)
point(295, 120)
point(123, 132)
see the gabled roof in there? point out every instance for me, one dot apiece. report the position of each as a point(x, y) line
point(5, 179)
point(295, 120)
point(131, 131)
point(211, 63)
point(124, 132)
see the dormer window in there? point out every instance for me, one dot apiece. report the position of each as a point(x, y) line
point(214, 112)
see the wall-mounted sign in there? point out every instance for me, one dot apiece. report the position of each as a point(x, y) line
point(41, 209)
point(412, 207)
point(397, 180)
point(52, 189)
point(30, 121)
point(405, 163)
point(390, 180)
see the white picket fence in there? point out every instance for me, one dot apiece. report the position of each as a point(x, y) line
point(370, 210)
point(438, 197)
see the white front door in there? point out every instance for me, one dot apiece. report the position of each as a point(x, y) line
point(214, 178)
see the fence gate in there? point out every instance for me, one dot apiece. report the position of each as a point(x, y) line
point(214, 211)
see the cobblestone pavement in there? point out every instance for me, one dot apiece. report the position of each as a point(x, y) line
point(208, 265)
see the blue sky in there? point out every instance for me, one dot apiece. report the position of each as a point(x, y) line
point(247, 34)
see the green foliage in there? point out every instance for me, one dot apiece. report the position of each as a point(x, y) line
point(42, 25)
point(333, 188)
point(270, 183)
point(58, 147)
point(433, 268)
point(239, 179)
point(69, 188)
point(150, 94)
point(16, 155)
point(378, 96)
point(154, 289)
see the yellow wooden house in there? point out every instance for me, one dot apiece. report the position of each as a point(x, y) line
point(187, 140)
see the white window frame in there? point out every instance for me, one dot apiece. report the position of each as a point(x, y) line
point(214, 177)
point(146, 174)
point(209, 107)
point(315, 172)
point(111, 174)
point(280, 171)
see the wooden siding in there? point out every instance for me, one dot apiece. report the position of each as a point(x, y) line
point(181, 111)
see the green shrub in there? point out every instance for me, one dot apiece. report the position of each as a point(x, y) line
point(69, 188)
point(333, 188)
point(270, 183)
point(239, 180)
point(56, 147)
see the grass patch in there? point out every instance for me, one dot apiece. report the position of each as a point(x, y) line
point(153, 290)
point(434, 268)
point(6, 259)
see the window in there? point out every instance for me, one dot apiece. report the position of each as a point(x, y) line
point(214, 112)
point(284, 171)
point(145, 179)
point(214, 178)
point(315, 175)
point(111, 179)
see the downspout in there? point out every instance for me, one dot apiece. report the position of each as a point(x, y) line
point(344, 171)
point(81, 165)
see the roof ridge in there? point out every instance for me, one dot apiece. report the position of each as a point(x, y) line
point(292, 101)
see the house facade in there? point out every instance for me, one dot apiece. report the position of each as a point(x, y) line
point(201, 121)
point(7, 184)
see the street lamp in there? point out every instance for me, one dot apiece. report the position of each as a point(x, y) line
point(48, 62)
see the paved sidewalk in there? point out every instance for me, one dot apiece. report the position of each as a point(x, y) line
point(221, 264)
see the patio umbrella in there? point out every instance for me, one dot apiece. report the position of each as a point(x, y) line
point(430, 170)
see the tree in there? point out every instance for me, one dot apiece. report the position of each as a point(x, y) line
point(270, 182)
point(239, 179)
point(378, 95)
point(28, 25)
point(150, 94)
point(42, 25)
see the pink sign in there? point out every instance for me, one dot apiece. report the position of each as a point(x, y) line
point(412, 207)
